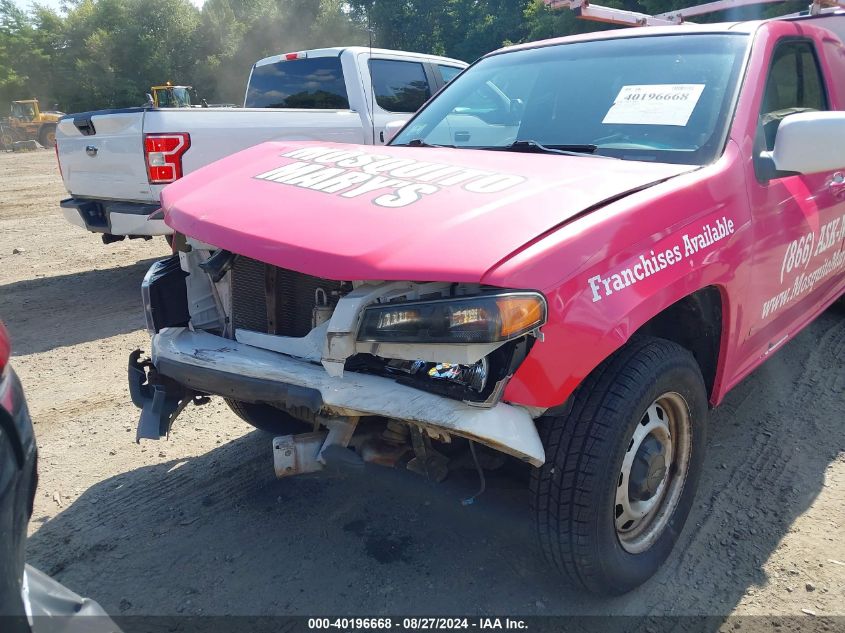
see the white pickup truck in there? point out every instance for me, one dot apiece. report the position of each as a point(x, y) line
point(114, 163)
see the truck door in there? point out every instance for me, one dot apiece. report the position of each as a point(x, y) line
point(399, 88)
point(796, 217)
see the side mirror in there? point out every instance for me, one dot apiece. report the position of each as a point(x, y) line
point(392, 129)
point(150, 103)
point(809, 143)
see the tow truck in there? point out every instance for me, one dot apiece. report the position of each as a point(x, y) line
point(566, 257)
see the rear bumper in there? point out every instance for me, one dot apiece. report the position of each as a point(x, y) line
point(214, 365)
point(114, 217)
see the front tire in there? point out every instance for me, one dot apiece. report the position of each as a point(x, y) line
point(6, 140)
point(622, 466)
point(47, 136)
point(268, 419)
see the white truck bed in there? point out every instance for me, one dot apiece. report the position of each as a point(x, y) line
point(102, 154)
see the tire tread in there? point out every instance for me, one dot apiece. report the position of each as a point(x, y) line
point(563, 505)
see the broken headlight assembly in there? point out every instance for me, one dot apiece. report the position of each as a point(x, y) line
point(164, 295)
point(502, 319)
point(491, 318)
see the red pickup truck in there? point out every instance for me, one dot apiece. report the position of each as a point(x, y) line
point(567, 256)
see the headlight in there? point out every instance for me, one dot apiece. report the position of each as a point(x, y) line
point(478, 319)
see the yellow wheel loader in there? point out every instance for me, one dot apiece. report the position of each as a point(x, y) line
point(28, 122)
point(170, 96)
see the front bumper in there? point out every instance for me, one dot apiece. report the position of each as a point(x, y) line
point(114, 217)
point(214, 365)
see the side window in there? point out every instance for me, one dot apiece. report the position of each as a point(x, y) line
point(399, 86)
point(448, 72)
point(794, 85)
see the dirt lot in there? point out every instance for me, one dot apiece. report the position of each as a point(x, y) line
point(198, 523)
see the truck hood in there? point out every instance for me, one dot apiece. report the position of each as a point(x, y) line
point(392, 213)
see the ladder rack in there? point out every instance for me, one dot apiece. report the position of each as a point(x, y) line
point(596, 13)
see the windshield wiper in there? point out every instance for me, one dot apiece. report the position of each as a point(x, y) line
point(418, 142)
point(534, 146)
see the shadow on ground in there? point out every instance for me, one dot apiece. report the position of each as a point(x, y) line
point(49, 312)
point(218, 534)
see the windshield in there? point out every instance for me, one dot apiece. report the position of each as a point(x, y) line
point(313, 83)
point(181, 97)
point(174, 97)
point(661, 98)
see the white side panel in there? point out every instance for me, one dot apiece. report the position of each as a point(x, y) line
point(108, 164)
point(219, 132)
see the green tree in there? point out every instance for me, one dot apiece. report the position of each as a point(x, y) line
point(107, 53)
point(234, 34)
point(114, 50)
point(15, 36)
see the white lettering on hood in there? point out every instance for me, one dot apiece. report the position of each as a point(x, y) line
point(393, 182)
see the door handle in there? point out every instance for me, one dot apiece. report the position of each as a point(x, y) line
point(836, 185)
point(91, 150)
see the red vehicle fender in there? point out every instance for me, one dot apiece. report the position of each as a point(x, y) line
point(596, 309)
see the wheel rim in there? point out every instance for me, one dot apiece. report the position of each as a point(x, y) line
point(653, 473)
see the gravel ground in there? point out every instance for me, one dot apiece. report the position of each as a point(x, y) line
point(198, 524)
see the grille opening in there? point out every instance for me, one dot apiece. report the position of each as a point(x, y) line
point(275, 300)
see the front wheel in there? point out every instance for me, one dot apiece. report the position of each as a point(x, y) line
point(6, 139)
point(47, 136)
point(622, 466)
point(268, 419)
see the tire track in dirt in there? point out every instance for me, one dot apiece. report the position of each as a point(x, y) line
point(75, 408)
point(176, 494)
point(757, 457)
point(817, 379)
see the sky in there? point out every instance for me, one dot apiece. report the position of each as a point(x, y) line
point(56, 4)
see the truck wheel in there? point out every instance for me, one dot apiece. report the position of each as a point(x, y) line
point(268, 419)
point(47, 136)
point(622, 466)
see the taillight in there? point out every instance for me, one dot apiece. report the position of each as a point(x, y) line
point(5, 347)
point(58, 162)
point(163, 153)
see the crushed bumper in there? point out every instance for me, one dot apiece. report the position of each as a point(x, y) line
point(114, 217)
point(210, 364)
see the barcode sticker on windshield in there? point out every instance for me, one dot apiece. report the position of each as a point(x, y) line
point(658, 104)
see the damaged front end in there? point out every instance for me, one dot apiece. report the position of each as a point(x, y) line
point(432, 357)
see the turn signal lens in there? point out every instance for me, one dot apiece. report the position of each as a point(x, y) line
point(520, 314)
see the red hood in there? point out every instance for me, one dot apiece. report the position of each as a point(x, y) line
point(391, 213)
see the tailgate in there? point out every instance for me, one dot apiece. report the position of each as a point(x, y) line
point(102, 155)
